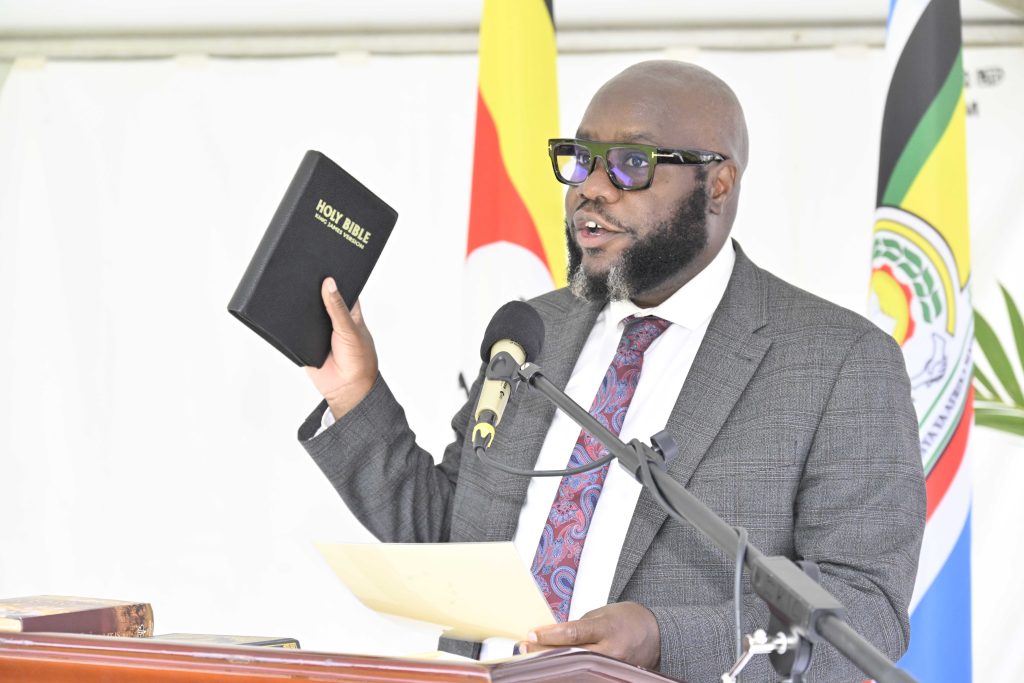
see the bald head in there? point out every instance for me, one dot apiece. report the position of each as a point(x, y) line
point(690, 103)
point(682, 106)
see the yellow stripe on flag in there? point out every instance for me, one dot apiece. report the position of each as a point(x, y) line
point(519, 85)
point(939, 192)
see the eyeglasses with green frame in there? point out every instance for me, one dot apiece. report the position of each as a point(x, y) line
point(629, 166)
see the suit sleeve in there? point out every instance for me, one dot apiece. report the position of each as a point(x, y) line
point(390, 484)
point(859, 513)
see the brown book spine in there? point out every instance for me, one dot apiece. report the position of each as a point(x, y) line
point(132, 621)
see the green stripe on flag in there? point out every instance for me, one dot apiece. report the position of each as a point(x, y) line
point(924, 64)
point(940, 448)
point(926, 136)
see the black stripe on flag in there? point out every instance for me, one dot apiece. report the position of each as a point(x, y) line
point(550, 4)
point(922, 68)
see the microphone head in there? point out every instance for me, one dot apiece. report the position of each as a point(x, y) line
point(518, 322)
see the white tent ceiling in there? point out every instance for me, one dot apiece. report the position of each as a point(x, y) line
point(21, 17)
point(155, 28)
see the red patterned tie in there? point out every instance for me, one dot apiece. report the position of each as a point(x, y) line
point(565, 532)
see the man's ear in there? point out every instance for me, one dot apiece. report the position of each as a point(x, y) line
point(721, 183)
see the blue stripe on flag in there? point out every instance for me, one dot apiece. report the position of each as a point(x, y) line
point(940, 627)
point(892, 8)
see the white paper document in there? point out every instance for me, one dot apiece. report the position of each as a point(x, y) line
point(471, 590)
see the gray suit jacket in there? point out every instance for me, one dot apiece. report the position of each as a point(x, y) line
point(795, 421)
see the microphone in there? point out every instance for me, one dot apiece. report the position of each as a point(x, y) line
point(517, 330)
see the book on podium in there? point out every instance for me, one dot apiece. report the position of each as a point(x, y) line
point(68, 658)
point(69, 614)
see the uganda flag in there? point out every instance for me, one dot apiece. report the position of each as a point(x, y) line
point(516, 242)
point(920, 293)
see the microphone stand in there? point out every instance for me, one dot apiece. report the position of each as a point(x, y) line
point(806, 611)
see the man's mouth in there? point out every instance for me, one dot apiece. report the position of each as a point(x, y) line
point(591, 232)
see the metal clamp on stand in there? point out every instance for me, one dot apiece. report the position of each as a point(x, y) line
point(758, 644)
point(789, 652)
point(663, 452)
point(503, 367)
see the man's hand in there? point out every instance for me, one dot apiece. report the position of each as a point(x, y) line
point(350, 370)
point(623, 630)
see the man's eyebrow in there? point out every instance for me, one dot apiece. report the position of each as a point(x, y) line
point(635, 137)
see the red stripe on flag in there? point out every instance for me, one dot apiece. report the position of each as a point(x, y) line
point(941, 476)
point(496, 211)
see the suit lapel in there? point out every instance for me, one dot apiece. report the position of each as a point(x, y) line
point(566, 331)
point(725, 362)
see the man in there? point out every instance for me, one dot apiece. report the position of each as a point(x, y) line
point(793, 416)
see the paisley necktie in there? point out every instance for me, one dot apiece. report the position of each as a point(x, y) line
point(565, 531)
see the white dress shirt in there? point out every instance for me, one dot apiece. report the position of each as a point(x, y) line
point(666, 364)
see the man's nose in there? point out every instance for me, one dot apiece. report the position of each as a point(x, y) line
point(598, 184)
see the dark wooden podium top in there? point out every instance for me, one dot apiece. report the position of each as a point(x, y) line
point(65, 658)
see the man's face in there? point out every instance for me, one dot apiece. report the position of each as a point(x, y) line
point(654, 255)
point(630, 244)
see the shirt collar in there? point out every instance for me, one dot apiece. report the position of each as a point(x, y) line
point(693, 304)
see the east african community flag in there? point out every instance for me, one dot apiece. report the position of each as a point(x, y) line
point(920, 280)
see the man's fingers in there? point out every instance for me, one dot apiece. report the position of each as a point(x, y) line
point(570, 633)
point(527, 647)
point(341, 319)
point(623, 630)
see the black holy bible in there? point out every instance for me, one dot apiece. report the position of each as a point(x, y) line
point(327, 224)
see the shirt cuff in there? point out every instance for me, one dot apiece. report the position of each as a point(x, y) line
point(326, 420)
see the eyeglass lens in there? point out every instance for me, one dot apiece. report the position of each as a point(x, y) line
point(629, 167)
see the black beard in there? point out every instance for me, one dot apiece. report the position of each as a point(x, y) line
point(648, 263)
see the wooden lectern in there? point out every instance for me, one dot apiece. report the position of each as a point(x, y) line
point(64, 658)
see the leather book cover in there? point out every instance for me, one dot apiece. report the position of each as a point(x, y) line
point(327, 224)
point(64, 614)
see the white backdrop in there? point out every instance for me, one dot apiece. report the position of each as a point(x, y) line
point(147, 439)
